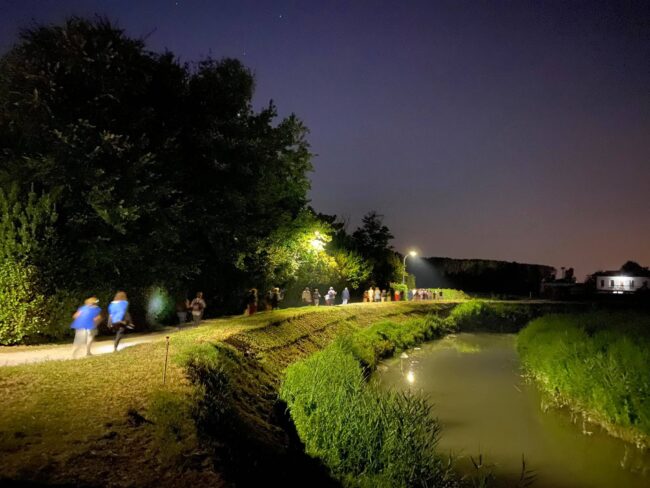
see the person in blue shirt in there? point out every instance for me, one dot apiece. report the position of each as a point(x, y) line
point(118, 317)
point(85, 322)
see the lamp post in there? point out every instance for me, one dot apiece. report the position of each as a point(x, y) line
point(412, 253)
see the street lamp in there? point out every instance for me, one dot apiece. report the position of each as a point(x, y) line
point(412, 253)
point(317, 243)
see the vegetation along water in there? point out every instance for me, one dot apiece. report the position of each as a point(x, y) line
point(597, 364)
point(488, 411)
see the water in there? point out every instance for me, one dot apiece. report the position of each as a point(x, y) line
point(485, 407)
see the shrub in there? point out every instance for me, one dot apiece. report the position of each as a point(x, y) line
point(23, 307)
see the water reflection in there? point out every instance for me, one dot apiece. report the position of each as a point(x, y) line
point(486, 408)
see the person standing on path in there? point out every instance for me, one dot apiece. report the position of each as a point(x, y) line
point(275, 299)
point(198, 306)
point(345, 295)
point(182, 306)
point(306, 296)
point(252, 301)
point(331, 296)
point(315, 296)
point(86, 319)
point(118, 317)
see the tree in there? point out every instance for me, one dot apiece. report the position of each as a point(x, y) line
point(163, 173)
point(633, 268)
point(372, 242)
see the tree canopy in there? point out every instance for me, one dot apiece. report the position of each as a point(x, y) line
point(131, 170)
point(162, 171)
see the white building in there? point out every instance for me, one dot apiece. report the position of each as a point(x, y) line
point(617, 283)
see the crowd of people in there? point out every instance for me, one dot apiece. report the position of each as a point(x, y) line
point(270, 301)
point(313, 297)
point(373, 294)
point(88, 317)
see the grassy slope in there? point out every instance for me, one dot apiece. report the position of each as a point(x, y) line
point(68, 420)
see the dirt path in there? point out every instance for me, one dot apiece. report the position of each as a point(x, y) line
point(61, 352)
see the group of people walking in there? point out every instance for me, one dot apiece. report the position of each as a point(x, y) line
point(312, 297)
point(271, 301)
point(88, 317)
point(196, 307)
point(376, 295)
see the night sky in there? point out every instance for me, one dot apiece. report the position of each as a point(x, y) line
point(500, 130)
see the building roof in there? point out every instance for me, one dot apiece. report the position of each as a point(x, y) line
point(644, 273)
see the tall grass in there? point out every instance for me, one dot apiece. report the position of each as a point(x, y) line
point(366, 437)
point(382, 339)
point(596, 363)
point(494, 316)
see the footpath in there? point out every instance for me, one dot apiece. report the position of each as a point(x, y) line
point(12, 356)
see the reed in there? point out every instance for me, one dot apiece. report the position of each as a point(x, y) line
point(366, 437)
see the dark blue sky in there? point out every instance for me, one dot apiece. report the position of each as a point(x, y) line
point(508, 130)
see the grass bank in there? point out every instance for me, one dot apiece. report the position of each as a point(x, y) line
point(596, 364)
point(367, 437)
point(109, 421)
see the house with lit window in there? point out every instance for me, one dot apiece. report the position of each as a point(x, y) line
point(622, 282)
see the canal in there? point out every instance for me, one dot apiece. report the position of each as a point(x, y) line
point(485, 407)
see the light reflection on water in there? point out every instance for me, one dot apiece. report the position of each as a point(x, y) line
point(485, 407)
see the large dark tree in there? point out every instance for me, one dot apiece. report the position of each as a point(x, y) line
point(162, 172)
point(372, 241)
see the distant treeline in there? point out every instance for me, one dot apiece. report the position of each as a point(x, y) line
point(481, 275)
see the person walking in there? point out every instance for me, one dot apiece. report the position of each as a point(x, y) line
point(345, 295)
point(118, 317)
point(251, 301)
point(275, 299)
point(306, 296)
point(331, 296)
point(315, 296)
point(182, 306)
point(198, 306)
point(85, 322)
point(383, 296)
point(269, 300)
point(377, 295)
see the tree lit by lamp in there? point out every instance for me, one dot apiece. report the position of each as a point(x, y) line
point(317, 242)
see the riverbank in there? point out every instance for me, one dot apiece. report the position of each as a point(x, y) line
point(215, 420)
point(487, 409)
point(368, 437)
point(597, 364)
point(73, 422)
